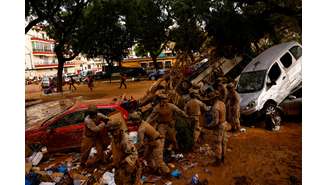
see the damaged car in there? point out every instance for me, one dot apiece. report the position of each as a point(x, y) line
point(269, 79)
point(63, 130)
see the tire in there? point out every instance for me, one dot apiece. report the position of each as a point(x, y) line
point(273, 117)
point(153, 78)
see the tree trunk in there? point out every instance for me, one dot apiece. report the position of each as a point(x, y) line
point(154, 59)
point(61, 62)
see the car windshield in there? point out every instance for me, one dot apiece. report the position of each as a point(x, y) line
point(251, 81)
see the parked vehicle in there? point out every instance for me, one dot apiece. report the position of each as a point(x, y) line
point(64, 129)
point(269, 78)
point(100, 75)
point(45, 82)
point(292, 105)
point(156, 75)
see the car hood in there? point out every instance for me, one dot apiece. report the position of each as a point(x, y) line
point(245, 98)
point(40, 113)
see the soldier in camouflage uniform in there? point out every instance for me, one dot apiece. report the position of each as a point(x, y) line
point(233, 107)
point(163, 115)
point(149, 137)
point(219, 125)
point(193, 109)
point(125, 156)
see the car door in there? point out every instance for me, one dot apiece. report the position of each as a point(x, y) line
point(291, 62)
point(66, 131)
point(278, 91)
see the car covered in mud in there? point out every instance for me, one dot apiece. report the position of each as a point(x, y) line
point(269, 79)
point(63, 128)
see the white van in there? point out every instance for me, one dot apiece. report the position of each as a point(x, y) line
point(269, 78)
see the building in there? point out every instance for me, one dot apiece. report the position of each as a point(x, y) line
point(41, 60)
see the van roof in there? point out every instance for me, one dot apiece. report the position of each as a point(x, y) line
point(264, 60)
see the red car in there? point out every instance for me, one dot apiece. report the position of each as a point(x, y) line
point(64, 130)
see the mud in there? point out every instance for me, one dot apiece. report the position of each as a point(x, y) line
point(256, 157)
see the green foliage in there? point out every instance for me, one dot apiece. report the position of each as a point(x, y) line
point(105, 31)
point(148, 22)
point(184, 134)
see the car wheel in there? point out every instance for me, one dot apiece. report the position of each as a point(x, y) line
point(153, 78)
point(273, 117)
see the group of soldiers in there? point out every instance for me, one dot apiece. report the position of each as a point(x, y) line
point(159, 128)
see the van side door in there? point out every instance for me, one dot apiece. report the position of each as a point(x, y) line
point(276, 91)
point(291, 62)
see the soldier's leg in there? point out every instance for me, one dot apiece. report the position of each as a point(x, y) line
point(86, 146)
point(224, 144)
point(171, 133)
point(197, 129)
point(158, 156)
point(99, 155)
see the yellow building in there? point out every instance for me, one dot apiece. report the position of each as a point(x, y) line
point(148, 64)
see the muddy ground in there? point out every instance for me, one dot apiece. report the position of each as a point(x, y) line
point(256, 157)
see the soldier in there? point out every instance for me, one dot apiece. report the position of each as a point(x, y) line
point(221, 89)
point(153, 142)
point(219, 125)
point(125, 156)
point(233, 107)
point(94, 125)
point(163, 114)
point(193, 109)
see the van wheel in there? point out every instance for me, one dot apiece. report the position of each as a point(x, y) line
point(273, 117)
point(153, 78)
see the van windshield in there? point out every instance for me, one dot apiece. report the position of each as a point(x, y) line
point(251, 81)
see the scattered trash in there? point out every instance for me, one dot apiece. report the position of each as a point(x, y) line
point(133, 137)
point(195, 179)
point(62, 168)
point(177, 156)
point(35, 158)
point(56, 176)
point(93, 151)
point(47, 183)
point(168, 183)
point(243, 130)
point(108, 178)
point(276, 128)
point(170, 165)
point(176, 173)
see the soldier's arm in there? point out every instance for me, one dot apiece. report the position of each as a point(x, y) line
point(179, 111)
point(153, 115)
point(92, 125)
point(141, 135)
point(203, 106)
point(215, 120)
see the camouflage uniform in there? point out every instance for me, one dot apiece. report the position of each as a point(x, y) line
point(220, 127)
point(233, 107)
point(92, 137)
point(153, 141)
point(125, 156)
point(163, 114)
point(193, 109)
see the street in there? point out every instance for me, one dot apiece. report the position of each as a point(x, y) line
point(256, 156)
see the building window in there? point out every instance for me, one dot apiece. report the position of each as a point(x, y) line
point(89, 66)
point(168, 64)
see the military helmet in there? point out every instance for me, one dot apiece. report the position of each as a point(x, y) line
point(92, 109)
point(114, 125)
point(135, 116)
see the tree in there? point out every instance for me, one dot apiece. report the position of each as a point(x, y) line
point(107, 36)
point(188, 33)
point(37, 11)
point(236, 26)
point(65, 28)
point(148, 21)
